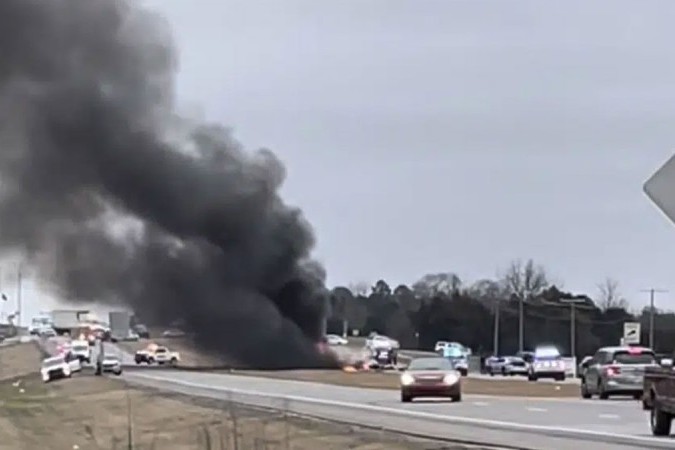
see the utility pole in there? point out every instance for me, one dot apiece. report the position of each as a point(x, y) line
point(573, 322)
point(652, 291)
point(521, 320)
point(18, 295)
point(495, 345)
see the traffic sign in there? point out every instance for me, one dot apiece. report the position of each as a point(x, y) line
point(660, 188)
point(631, 333)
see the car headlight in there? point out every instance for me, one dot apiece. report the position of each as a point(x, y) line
point(407, 379)
point(450, 379)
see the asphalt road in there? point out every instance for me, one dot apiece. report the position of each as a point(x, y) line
point(518, 422)
point(524, 423)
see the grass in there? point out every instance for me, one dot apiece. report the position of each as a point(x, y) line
point(378, 380)
point(88, 412)
point(516, 387)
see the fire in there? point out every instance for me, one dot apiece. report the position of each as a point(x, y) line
point(349, 369)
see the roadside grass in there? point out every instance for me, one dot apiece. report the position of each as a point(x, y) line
point(89, 412)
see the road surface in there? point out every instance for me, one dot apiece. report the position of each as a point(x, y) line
point(518, 422)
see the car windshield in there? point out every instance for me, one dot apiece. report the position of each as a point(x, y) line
point(80, 348)
point(642, 357)
point(160, 350)
point(430, 364)
point(52, 362)
point(110, 359)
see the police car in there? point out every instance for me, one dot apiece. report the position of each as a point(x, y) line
point(546, 362)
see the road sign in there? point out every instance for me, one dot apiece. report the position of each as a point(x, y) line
point(660, 188)
point(631, 333)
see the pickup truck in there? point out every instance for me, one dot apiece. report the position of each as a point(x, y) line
point(159, 355)
point(659, 396)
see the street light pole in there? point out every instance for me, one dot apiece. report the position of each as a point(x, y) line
point(652, 291)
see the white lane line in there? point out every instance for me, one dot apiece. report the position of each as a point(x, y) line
point(608, 416)
point(533, 409)
point(480, 403)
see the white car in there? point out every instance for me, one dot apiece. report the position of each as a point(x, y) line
point(379, 342)
point(111, 364)
point(81, 350)
point(334, 339)
point(61, 366)
point(440, 345)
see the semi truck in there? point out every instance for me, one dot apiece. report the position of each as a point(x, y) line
point(66, 320)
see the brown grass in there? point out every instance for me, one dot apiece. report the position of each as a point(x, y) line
point(19, 359)
point(89, 412)
point(517, 387)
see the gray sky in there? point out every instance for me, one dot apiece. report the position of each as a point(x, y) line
point(427, 136)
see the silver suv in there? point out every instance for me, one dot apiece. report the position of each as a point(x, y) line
point(617, 371)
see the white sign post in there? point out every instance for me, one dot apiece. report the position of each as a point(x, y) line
point(631, 333)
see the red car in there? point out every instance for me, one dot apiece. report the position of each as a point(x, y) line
point(431, 377)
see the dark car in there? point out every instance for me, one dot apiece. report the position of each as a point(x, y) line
point(142, 331)
point(431, 377)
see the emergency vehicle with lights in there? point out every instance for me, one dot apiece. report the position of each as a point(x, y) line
point(546, 362)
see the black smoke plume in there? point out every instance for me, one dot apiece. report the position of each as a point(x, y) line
point(89, 136)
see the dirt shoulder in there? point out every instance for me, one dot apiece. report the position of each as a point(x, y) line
point(19, 359)
point(505, 387)
point(87, 412)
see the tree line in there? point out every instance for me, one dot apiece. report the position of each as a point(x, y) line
point(485, 315)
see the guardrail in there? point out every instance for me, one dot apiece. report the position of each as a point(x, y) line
point(430, 425)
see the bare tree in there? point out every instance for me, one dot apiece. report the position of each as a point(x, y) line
point(609, 296)
point(437, 283)
point(525, 280)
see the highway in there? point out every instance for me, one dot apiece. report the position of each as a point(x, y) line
point(513, 422)
point(505, 422)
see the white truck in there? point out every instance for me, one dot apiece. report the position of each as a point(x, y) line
point(81, 350)
point(156, 354)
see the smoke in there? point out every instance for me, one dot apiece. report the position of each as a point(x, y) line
point(115, 199)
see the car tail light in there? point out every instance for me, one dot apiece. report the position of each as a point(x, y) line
point(612, 371)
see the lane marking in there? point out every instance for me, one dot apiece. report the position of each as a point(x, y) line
point(551, 431)
point(609, 416)
point(480, 403)
point(533, 409)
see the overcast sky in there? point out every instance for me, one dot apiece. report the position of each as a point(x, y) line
point(437, 135)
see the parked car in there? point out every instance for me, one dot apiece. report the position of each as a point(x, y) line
point(380, 341)
point(440, 345)
point(334, 339)
point(494, 364)
point(142, 331)
point(546, 362)
point(617, 371)
point(173, 333)
point(111, 364)
point(514, 365)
